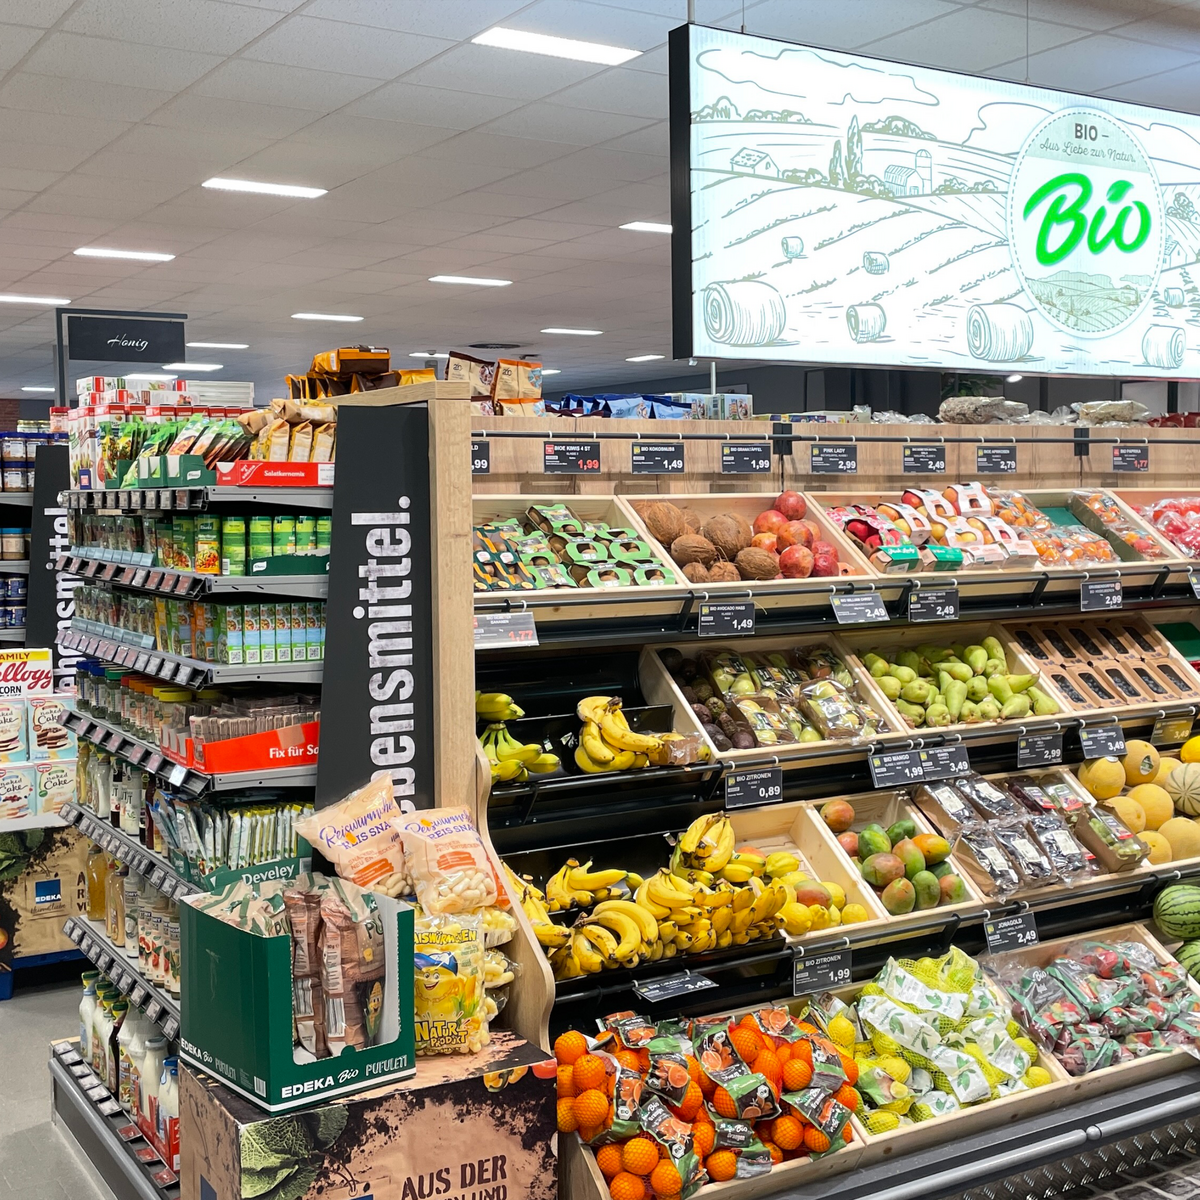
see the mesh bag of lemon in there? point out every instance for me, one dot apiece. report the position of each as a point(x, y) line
point(929, 1036)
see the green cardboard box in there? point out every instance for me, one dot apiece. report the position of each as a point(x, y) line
point(236, 1021)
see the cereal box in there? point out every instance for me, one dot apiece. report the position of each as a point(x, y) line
point(49, 738)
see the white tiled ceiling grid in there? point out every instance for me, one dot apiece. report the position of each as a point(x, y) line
point(440, 157)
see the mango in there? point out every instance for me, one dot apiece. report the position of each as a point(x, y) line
point(933, 847)
point(873, 841)
point(849, 842)
point(912, 858)
point(838, 815)
point(953, 890)
point(880, 870)
point(941, 870)
point(899, 897)
point(810, 893)
point(906, 827)
point(928, 889)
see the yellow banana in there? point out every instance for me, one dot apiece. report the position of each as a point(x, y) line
point(658, 911)
point(634, 880)
point(586, 764)
point(665, 888)
point(667, 930)
point(724, 940)
point(544, 764)
point(655, 952)
point(569, 966)
point(496, 706)
point(670, 950)
point(623, 761)
point(689, 840)
point(591, 708)
point(507, 747)
point(640, 761)
point(588, 880)
point(725, 844)
point(645, 920)
point(606, 945)
point(617, 733)
point(558, 895)
point(722, 918)
point(742, 898)
point(593, 744)
point(713, 898)
point(589, 957)
point(626, 928)
point(551, 936)
point(742, 921)
point(736, 872)
point(684, 940)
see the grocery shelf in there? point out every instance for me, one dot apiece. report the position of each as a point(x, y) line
point(191, 499)
point(126, 649)
point(24, 499)
point(94, 1123)
point(36, 821)
point(14, 566)
point(160, 1006)
point(12, 635)
point(188, 779)
point(159, 581)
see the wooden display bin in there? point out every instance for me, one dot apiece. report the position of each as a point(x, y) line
point(1135, 499)
point(659, 688)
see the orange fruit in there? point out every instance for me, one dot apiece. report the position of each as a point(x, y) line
point(850, 1066)
point(591, 1109)
point(802, 1051)
point(723, 1103)
point(566, 1083)
point(707, 1086)
point(570, 1046)
point(703, 1136)
point(783, 1052)
point(567, 1121)
point(768, 1066)
point(588, 1072)
point(807, 1027)
point(776, 1153)
point(797, 1074)
point(787, 1132)
point(589, 1133)
point(695, 1072)
point(691, 1103)
point(643, 1059)
point(626, 1187)
point(721, 1166)
point(663, 1152)
point(849, 1097)
point(665, 1180)
point(747, 1043)
point(640, 1156)
point(608, 1159)
point(815, 1140)
point(847, 1135)
point(629, 1060)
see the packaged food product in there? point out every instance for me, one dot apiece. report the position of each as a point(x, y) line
point(985, 797)
point(352, 966)
point(988, 863)
point(451, 869)
point(943, 804)
point(1115, 847)
point(1060, 846)
point(302, 902)
point(448, 957)
point(1033, 866)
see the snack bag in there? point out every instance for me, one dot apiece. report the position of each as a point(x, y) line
point(449, 1010)
point(302, 902)
point(352, 966)
point(450, 865)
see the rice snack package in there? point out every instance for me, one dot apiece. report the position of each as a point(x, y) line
point(359, 836)
point(450, 865)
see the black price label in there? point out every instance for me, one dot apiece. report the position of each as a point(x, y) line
point(933, 604)
point(570, 458)
point(481, 458)
point(138, 995)
point(657, 458)
point(1169, 730)
point(1100, 595)
point(995, 460)
point(1194, 580)
point(504, 629)
point(820, 972)
point(944, 762)
point(1131, 458)
point(1102, 741)
point(924, 460)
point(895, 768)
point(725, 620)
point(1039, 750)
point(654, 991)
point(743, 458)
point(833, 458)
point(1011, 933)
point(746, 789)
point(154, 1010)
point(859, 608)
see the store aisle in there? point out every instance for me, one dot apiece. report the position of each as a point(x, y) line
point(38, 1161)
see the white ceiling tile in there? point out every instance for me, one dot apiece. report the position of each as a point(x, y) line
point(590, 22)
point(35, 156)
point(496, 243)
point(546, 181)
point(30, 181)
point(832, 23)
point(1095, 15)
point(292, 87)
point(73, 56)
point(57, 130)
point(207, 25)
point(191, 111)
point(1178, 89)
point(353, 49)
point(617, 165)
point(544, 231)
point(574, 126)
point(372, 282)
point(653, 139)
point(15, 42)
point(654, 62)
point(636, 93)
point(495, 149)
point(435, 18)
point(484, 200)
point(495, 72)
point(42, 13)
point(79, 97)
point(205, 153)
point(403, 101)
point(708, 12)
point(1177, 27)
point(385, 141)
point(1101, 61)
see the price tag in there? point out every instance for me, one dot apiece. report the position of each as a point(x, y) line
point(129, 1133)
point(177, 775)
point(654, 991)
point(995, 460)
point(1131, 458)
point(185, 584)
point(97, 1093)
point(109, 1107)
point(1194, 580)
point(123, 980)
point(154, 763)
point(157, 877)
point(494, 630)
point(113, 741)
point(135, 753)
point(859, 608)
point(1011, 933)
point(481, 458)
point(933, 604)
point(1100, 595)
point(833, 458)
point(108, 572)
point(657, 458)
point(138, 995)
point(1039, 750)
point(895, 768)
point(570, 458)
point(724, 620)
point(746, 789)
point(139, 576)
point(183, 672)
point(169, 580)
point(816, 973)
point(141, 661)
point(1170, 730)
point(80, 1071)
point(154, 1010)
point(154, 579)
point(745, 458)
point(104, 962)
point(1102, 741)
point(924, 460)
point(154, 664)
point(127, 575)
point(170, 1028)
point(944, 762)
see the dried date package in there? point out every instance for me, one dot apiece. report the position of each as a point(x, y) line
point(986, 798)
point(988, 859)
point(1034, 868)
point(478, 372)
point(1060, 846)
point(944, 805)
point(352, 966)
point(1028, 793)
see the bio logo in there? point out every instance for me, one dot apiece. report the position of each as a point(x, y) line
point(1085, 222)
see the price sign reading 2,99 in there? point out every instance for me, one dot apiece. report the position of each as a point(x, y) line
point(570, 458)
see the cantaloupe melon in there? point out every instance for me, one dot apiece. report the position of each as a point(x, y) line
point(1165, 767)
point(1156, 803)
point(1184, 836)
point(1130, 812)
point(1160, 848)
point(1103, 777)
point(1140, 762)
point(1183, 786)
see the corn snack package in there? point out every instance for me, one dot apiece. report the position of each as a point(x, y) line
point(449, 981)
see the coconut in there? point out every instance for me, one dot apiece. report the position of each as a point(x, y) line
point(725, 533)
point(662, 518)
point(691, 547)
point(753, 563)
point(723, 572)
point(696, 572)
point(691, 519)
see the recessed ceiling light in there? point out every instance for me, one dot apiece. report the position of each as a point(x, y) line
point(647, 227)
point(551, 371)
point(470, 279)
point(138, 255)
point(427, 354)
point(1014, 378)
point(153, 378)
point(645, 357)
point(324, 317)
point(6, 298)
point(39, 389)
point(219, 345)
point(576, 332)
point(190, 366)
point(265, 189)
point(556, 47)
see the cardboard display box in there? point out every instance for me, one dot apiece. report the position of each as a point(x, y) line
point(481, 1127)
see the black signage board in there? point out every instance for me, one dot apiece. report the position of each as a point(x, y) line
point(51, 592)
point(124, 339)
point(995, 460)
point(833, 458)
point(815, 973)
point(657, 458)
point(726, 620)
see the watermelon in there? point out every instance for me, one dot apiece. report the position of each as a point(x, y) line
point(1177, 911)
point(1183, 786)
point(1188, 956)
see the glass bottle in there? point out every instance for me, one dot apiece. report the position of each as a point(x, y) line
point(97, 876)
point(87, 1010)
point(120, 1007)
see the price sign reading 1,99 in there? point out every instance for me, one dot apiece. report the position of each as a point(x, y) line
point(481, 458)
point(570, 458)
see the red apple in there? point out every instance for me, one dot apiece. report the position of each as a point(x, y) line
point(795, 533)
point(858, 528)
point(771, 521)
point(796, 562)
point(913, 499)
point(792, 505)
point(873, 542)
point(765, 541)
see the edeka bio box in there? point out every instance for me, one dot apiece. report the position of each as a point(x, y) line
point(236, 1021)
point(475, 1127)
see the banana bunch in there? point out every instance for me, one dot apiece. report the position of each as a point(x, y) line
point(496, 706)
point(575, 886)
point(533, 901)
point(606, 743)
point(511, 761)
point(706, 845)
point(617, 933)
